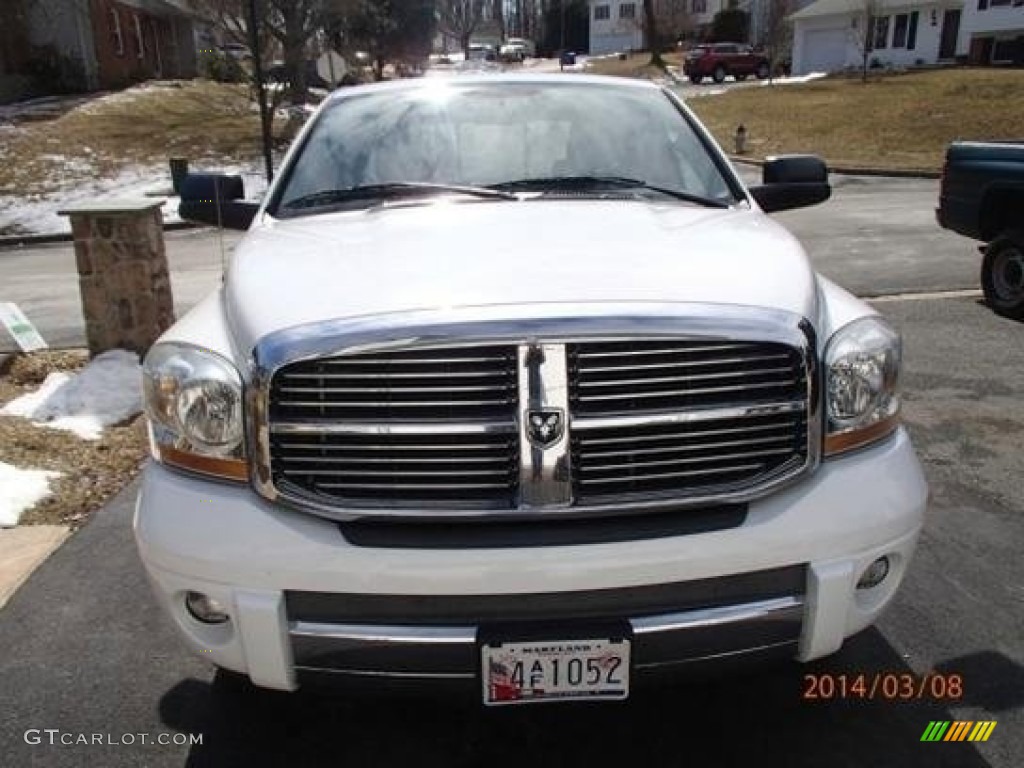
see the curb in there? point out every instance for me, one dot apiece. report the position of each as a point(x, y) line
point(25, 548)
point(18, 241)
point(846, 170)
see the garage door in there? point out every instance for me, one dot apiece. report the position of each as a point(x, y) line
point(824, 50)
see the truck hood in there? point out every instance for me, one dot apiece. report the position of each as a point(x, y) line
point(471, 254)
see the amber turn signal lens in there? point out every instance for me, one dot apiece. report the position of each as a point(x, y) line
point(215, 466)
point(847, 441)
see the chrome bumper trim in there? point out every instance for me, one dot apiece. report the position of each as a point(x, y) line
point(396, 635)
point(431, 652)
point(709, 617)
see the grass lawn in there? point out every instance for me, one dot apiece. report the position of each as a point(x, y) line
point(894, 122)
point(635, 65)
point(140, 127)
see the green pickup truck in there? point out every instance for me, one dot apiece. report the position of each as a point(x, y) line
point(982, 197)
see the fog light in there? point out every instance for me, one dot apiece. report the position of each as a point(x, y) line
point(874, 574)
point(205, 609)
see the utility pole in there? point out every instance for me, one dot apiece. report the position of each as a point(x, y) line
point(261, 94)
point(561, 47)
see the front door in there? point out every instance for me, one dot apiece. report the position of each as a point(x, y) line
point(950, 31)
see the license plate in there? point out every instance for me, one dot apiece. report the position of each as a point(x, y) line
point(521, 673)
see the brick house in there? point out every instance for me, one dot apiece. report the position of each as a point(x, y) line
point(141, 39)
point(101, 44)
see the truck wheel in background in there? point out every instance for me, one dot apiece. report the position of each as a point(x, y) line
point(762, 72)
point(1002, 275)
point(719, 74)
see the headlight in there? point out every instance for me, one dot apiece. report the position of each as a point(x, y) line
point(193, 399)
point(862, 366)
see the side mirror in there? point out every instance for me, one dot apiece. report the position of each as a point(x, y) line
point(216, 199)
point(792, 181)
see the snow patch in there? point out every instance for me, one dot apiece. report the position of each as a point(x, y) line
point(38, 215)
point(20, 489)
point(105, 392)
point(796, 79)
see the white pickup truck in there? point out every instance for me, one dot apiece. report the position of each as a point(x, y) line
point(512, 385)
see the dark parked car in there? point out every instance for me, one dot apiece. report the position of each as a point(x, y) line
point(719, 60)
point(982, 197)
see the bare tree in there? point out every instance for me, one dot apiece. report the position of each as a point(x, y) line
point(775, 32)
point(498, 12)
point(673, 17)
point(865, 26)
point(459, 19)
point(13, 34)
point(652, 34)
point(292, 23)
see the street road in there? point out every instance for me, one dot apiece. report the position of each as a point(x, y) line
point(84, 648)
point(877, 236)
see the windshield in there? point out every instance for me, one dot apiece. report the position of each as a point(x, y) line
point(488, 134)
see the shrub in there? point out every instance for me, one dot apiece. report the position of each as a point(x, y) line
point(52, 72)
point(222, 68)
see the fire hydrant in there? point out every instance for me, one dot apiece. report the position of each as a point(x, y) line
point(741, 139)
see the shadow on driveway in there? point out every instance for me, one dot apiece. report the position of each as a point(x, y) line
point(742, 720)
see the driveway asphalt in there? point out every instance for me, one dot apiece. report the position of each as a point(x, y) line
point(84, 649)
point(877, 236)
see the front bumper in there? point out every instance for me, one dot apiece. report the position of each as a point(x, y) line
point(301, 597)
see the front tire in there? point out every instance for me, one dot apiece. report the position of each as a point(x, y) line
point(719, 75)
point(762, 72)
point(1002, 275)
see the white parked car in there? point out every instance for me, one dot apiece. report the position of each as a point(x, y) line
point(528, 46)
point(513, 385)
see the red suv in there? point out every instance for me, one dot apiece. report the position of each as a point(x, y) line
point(719, 60)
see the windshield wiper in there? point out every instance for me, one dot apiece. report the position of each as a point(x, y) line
point(392, 189)
point(544, 183)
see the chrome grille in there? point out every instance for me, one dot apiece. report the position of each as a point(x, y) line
point(626, 377)
point(443, 431)
point(427, 427)
point(684, 418)
point(452, 384)
point(400, 470)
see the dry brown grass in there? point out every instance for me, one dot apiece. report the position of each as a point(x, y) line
point(195, 119)
point(91, 470)
point(635, 65)
point(894, 122)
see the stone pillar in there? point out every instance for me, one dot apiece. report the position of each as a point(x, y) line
point(122, 273)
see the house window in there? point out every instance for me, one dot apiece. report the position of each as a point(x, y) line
point(700, 6)
point(602, 12)
point(901, 22)
point(140, 43)
point(116, 38)
point(881, 33)
point(912, 33)
point(627, 11)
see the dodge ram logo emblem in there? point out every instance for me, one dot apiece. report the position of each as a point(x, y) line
point(544, 426)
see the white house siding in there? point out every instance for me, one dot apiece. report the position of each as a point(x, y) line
point(1003, 22)
point(816, 39)
point(615, 34)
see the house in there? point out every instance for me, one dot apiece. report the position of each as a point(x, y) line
point(615, 26)
point(99, 44)
point(992, 32)
point(618, 25)
point(828, 34)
